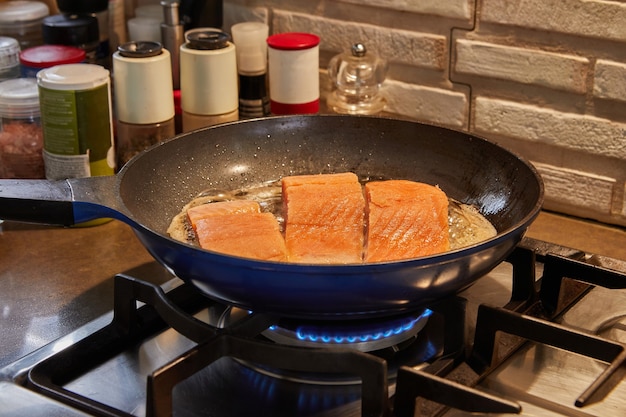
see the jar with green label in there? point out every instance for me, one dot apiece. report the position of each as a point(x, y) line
point(76, 118)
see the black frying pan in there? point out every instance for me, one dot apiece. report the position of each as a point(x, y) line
point(153, 187)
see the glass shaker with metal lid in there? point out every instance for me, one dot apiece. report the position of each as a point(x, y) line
point(357, 77)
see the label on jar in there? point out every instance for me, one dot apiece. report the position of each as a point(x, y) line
point(78, 138)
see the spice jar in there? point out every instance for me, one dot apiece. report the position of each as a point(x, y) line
point(143, 98)
point(76, 115)
point(21, 137)
point(293, 60)
point(73, 30)
point(9, 58)
point(98, 9)
point(21, 19)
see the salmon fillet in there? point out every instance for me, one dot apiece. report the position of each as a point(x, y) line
point(240, 229)
point(220, 208)
point(324, 218)
point(406, 219)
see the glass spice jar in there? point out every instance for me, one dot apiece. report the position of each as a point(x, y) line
point(21, 135)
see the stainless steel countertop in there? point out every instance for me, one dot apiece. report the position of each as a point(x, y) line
point(55, 280)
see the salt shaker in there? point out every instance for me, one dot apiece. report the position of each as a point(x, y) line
point(293, 60)
point(357, 77)
point(144, 100)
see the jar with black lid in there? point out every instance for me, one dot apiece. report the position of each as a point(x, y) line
point(80, 31)
point(98, 9)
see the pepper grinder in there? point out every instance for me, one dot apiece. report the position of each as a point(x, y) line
point(208, 79)
point(357, 77)
point(143, 97)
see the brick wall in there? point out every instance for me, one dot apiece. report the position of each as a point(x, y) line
point(545, 78)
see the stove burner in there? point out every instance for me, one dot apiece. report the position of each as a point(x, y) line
point(363, 335)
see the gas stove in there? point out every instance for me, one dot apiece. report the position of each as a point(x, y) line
point(541, 334)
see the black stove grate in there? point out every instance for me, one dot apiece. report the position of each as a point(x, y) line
point(448, 381)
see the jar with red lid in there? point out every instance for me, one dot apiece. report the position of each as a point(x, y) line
point(21, 135)
point(33, 60)
point(293, 62)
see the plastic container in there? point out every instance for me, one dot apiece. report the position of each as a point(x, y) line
point(80, 31)
point(21, 135)
point(76, 116)
point(294, 73)
point(9, 58)
point(208, 79)
point(144, 101)
point(33, 60)
point(21, 20)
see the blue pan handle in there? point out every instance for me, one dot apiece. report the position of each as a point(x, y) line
point(62, 203)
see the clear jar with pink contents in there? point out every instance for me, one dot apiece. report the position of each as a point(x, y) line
point(21, 135)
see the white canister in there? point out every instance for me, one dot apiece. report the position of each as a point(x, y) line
point(208, 79)
point(293, 60)
point(76, 118)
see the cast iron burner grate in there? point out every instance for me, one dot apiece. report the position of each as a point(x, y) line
point(447, 381)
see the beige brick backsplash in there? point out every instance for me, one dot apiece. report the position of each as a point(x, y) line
point(587, 18)
point(427, 104)
point(573, 131)
point(522, 65)
point(401, 46)
point(610, 80)
point(581, 189)
point(455, 9)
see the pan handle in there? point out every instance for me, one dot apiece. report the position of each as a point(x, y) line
point(63, 202)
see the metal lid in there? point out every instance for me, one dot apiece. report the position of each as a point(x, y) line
point(140, 49)
point(293, 41)
point(209, 39)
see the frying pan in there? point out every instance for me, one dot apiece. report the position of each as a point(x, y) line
point(153, 187)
